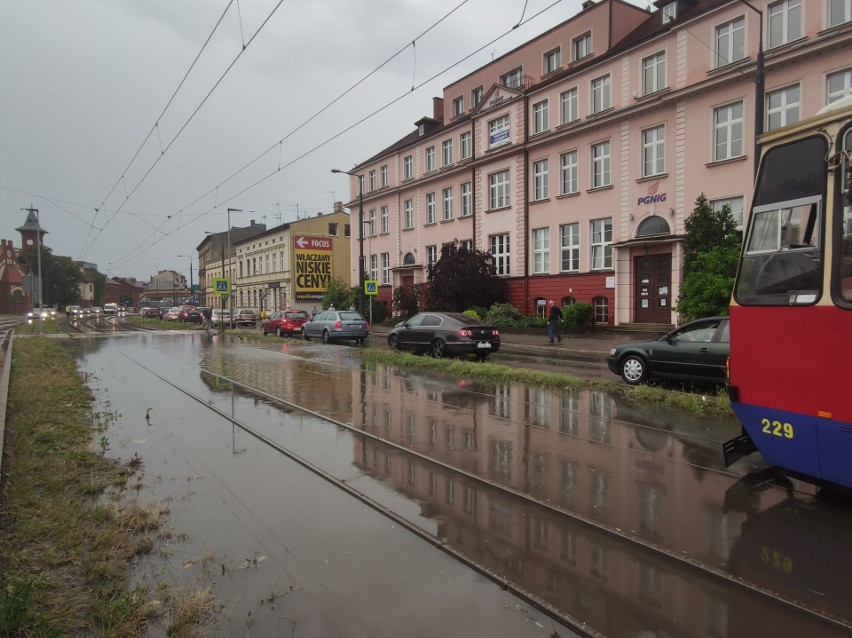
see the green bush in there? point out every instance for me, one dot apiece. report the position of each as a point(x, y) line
point(578, 315)
point(502, 315)
point(472, 313)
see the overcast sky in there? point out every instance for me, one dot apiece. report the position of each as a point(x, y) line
point(84, 82)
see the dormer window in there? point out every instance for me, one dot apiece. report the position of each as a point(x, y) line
point(421, 129)
point(512, 79)
point(669, 12)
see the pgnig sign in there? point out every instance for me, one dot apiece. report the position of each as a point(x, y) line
point(313, 267)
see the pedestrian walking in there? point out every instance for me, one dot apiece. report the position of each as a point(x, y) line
point(207, 315)
point(554, 318)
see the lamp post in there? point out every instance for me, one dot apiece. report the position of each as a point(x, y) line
point(231, 295)
point(221, 297)
point(759, 82)
point(190, 273)
point(360, 236)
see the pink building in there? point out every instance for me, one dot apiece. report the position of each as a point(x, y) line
point(575, 159)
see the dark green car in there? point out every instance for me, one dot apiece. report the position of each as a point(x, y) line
point(697, 351)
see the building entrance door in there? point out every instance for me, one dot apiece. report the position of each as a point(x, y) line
point(652, 297)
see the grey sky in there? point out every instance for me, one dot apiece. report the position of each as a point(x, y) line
point(84, 81)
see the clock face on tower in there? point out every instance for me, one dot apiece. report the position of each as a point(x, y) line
point(29, 242)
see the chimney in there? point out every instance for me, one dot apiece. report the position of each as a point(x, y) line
point(438, 108)
point(338, 207)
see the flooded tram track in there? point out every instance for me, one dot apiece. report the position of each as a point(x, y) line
point(700, 569)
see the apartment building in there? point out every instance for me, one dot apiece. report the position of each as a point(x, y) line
point(576, 158)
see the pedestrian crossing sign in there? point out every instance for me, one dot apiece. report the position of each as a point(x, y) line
point(222, 286)
point(371, 287)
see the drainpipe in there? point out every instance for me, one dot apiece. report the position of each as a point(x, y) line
point(526, 208)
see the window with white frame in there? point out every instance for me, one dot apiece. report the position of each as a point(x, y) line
point(500, 253)
point(582, 46)
point(476, 96)
point(601, 244)
point(407, 167)
point(374, 267)
point(467, 199)
point(385, 268)
point(782, 107)
point(730, 42)
point(785, 22)
point(465, 145)
point(372, 222)
point(601, 94)
point(447, 195)
point(430, 159)
point(431, 254)
point(734, 203)
point(839, 12)
point(372, 180)
point(458, 106)
point(654, 151)
point(513, 78)
point(569, 173)
point(498, 131)
point(540, 179)
point(569, 247)
point(540, 120)
point(467, 244)
point(838, 86)
point(728, 132)
point(408, 213)
point(569, 106)
point(552, 61)
point(601, 162)
point(601, 306)
point(654, 73)
point(447, 152)
point(541, 251)
point(498, 190)
point(669, 12)
point(384, 218)
point(430, 208)
point(383, 176)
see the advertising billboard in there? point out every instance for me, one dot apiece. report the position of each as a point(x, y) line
point(313, 270)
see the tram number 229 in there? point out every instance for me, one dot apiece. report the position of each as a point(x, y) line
point(776, 428)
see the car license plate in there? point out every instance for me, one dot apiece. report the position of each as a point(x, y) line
point(483, 344)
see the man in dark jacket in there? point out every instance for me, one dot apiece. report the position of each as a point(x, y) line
point(554, 318)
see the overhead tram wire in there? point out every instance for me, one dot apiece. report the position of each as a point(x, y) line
point(140, 248)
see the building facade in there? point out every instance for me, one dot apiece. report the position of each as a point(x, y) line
point(576, 158)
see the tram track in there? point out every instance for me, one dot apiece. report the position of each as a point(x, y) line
point(531, 598)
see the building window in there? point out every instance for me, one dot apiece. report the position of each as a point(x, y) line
point(372, 180)
point(374, 267)
point(476, 96)
point(582, 46)
point(570, 247)
point(541, 251)
point(458, 106)
point(540, 123)
point(332, 230)
point(430, 208)
point(499, 130)
point(430, 159)
point(447, 152)
point(569, 173)
point(552, 61)
point(407, 167)
point(447, 194)
point(653, 151)
point(602, 244)
point(466, 145)
point(601, 94)
point(601, 306)
point(785, 22)
point(467, 199)
point(782, 107)
point(654, 73)
point(569, 106)
point(730, 42)
point(540, 179)
point(431, 254)
point(669, 12)
point(513, 78)
point(736, 206)
point(601, 175)
point(384, 219)
point(385, 268)
point(408, 213)
point(839, 12)
point(728, 132)
point(838, 85)
point(372, 222)
point(498, 190)
point(500, 253)
point(383, 172)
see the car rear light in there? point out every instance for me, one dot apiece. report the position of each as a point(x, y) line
point(495, 332)
point(464, 332)
point(338, 325)
point(367, 325)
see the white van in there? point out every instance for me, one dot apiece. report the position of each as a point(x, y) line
point(110, 308)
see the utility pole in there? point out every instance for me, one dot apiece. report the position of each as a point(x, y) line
point(38, 260)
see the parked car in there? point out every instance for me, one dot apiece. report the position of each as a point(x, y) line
point(97, 311)
point(172, 314)
point(221, 317)
point(161, 311)
point(149, 312)
point(189, 314)
point(244, 317)
point(445, 334)
point(697, 351)
point(73, 312)
point(284, 322)
point(331, 325)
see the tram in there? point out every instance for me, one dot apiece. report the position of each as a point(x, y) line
point(790, 367)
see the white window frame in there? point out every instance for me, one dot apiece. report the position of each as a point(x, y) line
point(431, 208)
point(569, 247)
point(839, 12)
point(513, 79)
point(540, 117)
point(601, 93)
point(783, 106)
point(498, 190)
point(372, 222)
point(458, 106)
point(430, 159)
point(541, 179)
point(728, 131)
point(569, 102)
point(541, 251)
point(476, 96)
point(552, 61)
point(736, 204)
point(501, 253)
point(447, 197)
point(601, 164)
point(408, 213)
point(466, 199)
point(372, 180)
point(569, 164)
point(383, 176)
point(784, 22)
point(669, 12)
point(654, 73)
point(497, 127)
point(842, 81)
point(408, 167)
point(581, 46)
point(601, 243)
point(730, 42)
point(374, 266)
point(384, 219)
point(465, 145)
point(431, 254)
point(385, 268)
point(654, 151)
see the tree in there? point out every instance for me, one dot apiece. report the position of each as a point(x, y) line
point(407, 299)
point(711, 251)
point(462, 279)
point(62, 277)
point(339, 295)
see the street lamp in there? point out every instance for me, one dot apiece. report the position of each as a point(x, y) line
point(759, 80)
point(360, 236)
point(221, 298)
point(190, 273)
point(230, 296)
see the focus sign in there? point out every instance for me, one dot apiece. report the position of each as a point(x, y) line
point(312, 257)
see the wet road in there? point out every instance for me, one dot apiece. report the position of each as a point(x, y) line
point(586, 510)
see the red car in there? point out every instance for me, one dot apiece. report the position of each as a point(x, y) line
point(285, 322)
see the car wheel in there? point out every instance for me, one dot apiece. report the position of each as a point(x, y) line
point(633, 369)
point(326, 336)
point(393, 342)
point(305, 335)
point(278, 332)
point(439, 348)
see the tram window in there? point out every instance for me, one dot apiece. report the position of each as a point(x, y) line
point(846, 255)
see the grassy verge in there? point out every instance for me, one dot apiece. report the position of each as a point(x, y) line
point(716, 403)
